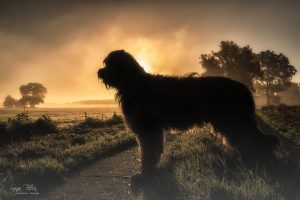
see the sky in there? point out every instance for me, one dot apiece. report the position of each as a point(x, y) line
point(62, 44)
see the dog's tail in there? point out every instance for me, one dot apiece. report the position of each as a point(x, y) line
point(277, 141)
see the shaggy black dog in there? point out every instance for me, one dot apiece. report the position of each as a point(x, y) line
point(153, 103)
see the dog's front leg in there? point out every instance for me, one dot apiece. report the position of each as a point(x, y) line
point(151, 144)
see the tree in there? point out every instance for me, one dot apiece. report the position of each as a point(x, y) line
point(277, 73)
point(9, 102)
point(32, 94)
point(233, 61)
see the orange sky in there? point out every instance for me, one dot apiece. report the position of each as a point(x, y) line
point(62, 45)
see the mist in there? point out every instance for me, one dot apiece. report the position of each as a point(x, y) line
point(62, 45)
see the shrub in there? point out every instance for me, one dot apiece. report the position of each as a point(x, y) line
point(2, 127)
point(115, 119)
point(20, 124)
point(3, 132)
point(44, 124)
point(22, 127)
point(91, 122)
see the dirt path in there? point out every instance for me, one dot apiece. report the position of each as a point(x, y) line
point(108, 178)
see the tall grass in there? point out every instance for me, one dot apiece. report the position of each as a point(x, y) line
point(203, 168)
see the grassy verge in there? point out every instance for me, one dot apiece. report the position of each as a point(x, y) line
point(203, 168)
point(42, 158)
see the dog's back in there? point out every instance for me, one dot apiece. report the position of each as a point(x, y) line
point(176, 99)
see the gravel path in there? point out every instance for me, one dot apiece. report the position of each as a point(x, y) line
point(108, 178)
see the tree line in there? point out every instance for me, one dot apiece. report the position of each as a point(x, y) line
point(265, 73)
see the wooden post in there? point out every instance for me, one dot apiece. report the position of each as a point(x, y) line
point(85, 115)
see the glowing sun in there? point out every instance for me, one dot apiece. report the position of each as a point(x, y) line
point(145, 64)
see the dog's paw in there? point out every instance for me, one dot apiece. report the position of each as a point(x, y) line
point(140, 181)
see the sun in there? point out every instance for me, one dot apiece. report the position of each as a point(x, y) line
point(143, 57)
point(145, 64)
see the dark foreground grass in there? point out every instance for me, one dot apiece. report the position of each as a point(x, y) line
point(43, 159)
point(201, 167)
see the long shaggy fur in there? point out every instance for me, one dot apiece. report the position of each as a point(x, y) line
point(151, 103)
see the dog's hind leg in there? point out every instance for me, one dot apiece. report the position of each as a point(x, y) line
point(244, 135)
point(151, 144)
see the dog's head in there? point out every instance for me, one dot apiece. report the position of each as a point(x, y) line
point(120, 68)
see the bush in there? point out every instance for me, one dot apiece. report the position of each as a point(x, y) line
point(91, 122)
point(22, 127)
point(115, 119)
point(21, 123)
point(2, 127)
point(3, 133)
point(44, 124)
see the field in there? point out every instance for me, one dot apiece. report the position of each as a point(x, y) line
point(195, 165)
point(62, 116)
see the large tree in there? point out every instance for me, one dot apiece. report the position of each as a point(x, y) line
point(32, 94)
point(232, 61)
point(277, 74)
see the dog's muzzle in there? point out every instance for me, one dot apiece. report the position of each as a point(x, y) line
point(101, 73)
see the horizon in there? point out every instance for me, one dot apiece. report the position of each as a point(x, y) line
point(94, 103)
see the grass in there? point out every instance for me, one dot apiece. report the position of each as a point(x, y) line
point(45, 157)
point(285, 119)
point(202, 168)
point(194, 166)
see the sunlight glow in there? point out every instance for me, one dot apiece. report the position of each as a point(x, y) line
point(144, 63)
point(143, 59)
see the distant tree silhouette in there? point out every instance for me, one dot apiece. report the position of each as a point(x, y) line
point(277, 74)
point(9, 102)
point(232, 61)
point(32, 94)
